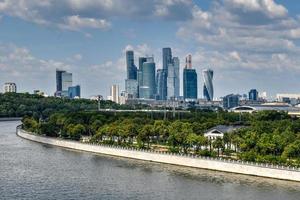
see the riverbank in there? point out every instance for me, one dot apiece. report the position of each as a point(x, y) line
point(7, 119)
point(237, 167)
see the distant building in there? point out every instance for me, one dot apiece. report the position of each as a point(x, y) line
point(131, 82)
point(74, 92)
point(253, 95)
point(10, 88)
point(173, 81)
point(230, 101)
point(148, 86)
point(188, 62)
point(293, 99)
point(131, 68)
point(208, 88)
point(161, 84)
point(190, 81)
point(167, 60)
point(190, 84)
point(39, 92)
point(114, 93)
point(59, 82)
point(63, 82)
point(219, 131)
point(131, 88)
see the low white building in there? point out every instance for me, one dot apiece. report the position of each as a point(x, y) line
point(219, 131)
point(10, 87)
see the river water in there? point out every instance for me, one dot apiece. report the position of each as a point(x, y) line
point(30, 170)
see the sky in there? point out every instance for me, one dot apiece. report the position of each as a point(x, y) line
point(248, 43)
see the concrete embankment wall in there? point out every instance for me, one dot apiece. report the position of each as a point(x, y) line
point(5, 119)
point(189, 161)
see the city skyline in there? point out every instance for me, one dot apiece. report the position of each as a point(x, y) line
point(244, 52)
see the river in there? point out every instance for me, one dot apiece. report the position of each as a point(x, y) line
point(30, 170)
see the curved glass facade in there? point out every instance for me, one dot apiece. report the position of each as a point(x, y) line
point(208, 88)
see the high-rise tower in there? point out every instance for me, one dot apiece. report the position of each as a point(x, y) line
point(208, 88)
point(190, 81)
point(131, 83)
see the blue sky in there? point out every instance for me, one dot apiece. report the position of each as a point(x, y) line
point(248, 43)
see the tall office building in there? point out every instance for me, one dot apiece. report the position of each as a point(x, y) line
point(67, 81)
point(114, 94)
point(167, 60)
point(59, 82)
point(253, 95)
point(161, 84)
point(63, 82)
point(131, 68)
point(188, 62)
point(148, 86)
point(10, 88)
point(190, 88)
point(208, 89)
point(173, 82)
point(190, 82)
point(131, 83)
point(74, 92)
point(230, 101)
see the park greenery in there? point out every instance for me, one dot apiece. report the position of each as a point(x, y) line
point(24, 104)
point(266, 137)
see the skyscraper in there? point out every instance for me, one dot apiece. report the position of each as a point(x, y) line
point(148, 87)
point(190, 89)
point(131, 83)
point(114, 93)
point(188, 62)
point(161, 84)
point(59, 82)
point(190, 82)
point(74, 92)
point(253, 95)
point(230, 101)
point(173, 87)
point(131, 68)
point(63, 82)
point(167, 60)
point(67, 81)
point(208, 89)
point(167, 57)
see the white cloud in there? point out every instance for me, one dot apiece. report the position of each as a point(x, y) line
point(76, 22)
point(268, 7)
point(79, 14)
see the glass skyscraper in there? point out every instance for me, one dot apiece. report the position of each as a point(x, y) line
point(161, 84)
point(173, 82)
point(63, 82)
point(148, 86)
point(190, 82)
point(253, 95)
point(230, 101)
point(74, 91)
point(208, 88)
point(131, 83)
point(131, 68)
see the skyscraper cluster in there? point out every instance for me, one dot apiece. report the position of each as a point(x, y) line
point(64, 85)
point(145, 82)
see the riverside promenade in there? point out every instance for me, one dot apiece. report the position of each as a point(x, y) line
point(238, 167)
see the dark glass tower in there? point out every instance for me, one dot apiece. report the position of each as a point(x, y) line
point(208, 88)
point(190, 89)
point(148, 87)
point(131, 68)
point(167, 60)
point(161, 84)
point(59, 79)
point(253, 95)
